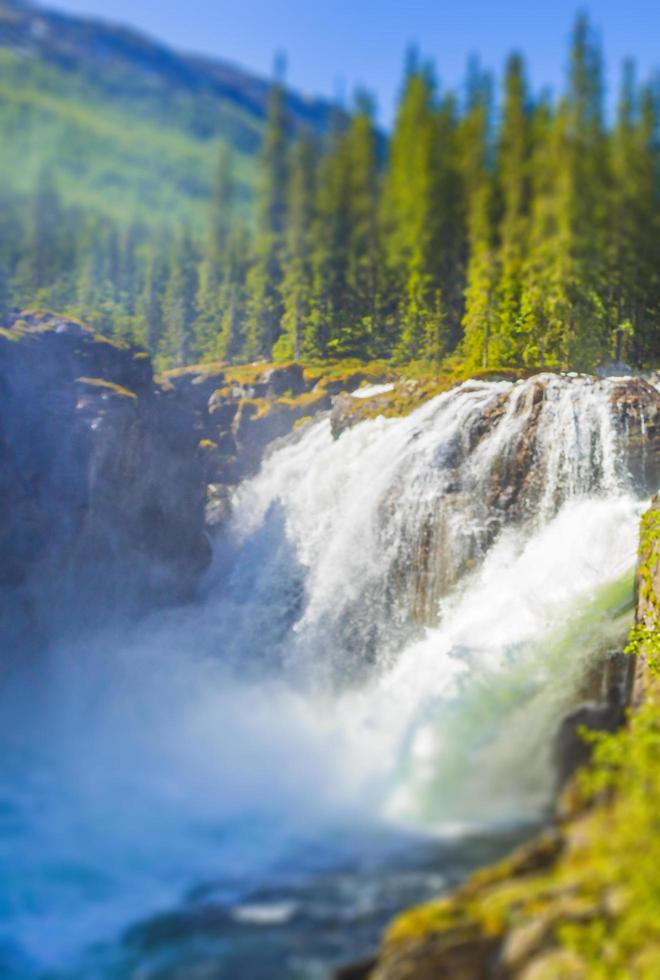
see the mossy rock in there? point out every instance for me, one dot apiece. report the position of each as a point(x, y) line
point(207, 445)
point(107, 388)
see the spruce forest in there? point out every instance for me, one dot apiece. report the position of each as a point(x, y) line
point(491, 228)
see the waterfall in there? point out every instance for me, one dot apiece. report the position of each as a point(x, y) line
point(394, 624)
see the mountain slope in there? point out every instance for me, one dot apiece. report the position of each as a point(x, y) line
point(126, 122)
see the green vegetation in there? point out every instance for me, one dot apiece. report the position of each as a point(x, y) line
point(107, 155)
point(510, 232)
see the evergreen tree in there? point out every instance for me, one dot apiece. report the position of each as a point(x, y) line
point(231, 340)
point(264, 305)
point(450, 213)
point(514, 173)
point(179, 303)
point(633, 276)
point(360, 333)
point(411, 209)
point(544, 300)
point(586, 331)
point(564, 296)
point(150, 326)
point(330, 232)
point(43, 255)
point(481, 343)
point(297, 282)
point(216, 260)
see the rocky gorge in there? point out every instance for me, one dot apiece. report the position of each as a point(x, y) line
point(369, 587)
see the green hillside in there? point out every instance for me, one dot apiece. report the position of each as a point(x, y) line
point(102, 156)
point(126, 126)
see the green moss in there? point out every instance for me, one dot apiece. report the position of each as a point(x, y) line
point(255, 408)
point(194, 370)
point(330, 372)
point(108, 386)
point(99, 338)
point(308, 399)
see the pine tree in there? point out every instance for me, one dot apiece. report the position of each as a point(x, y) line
point(411, 209)
point(450, 213)
point(481, 343)
point(179, 303)
point(586, 339)
point(264, 305)
point(150, 326)
point(544, 300)
point(297, 281)
point(231, 340)
point(43, 250)
point(564, 305)
point(330, 233)
point(633, 276)
point(360, 333)
point(213, 268)
point(514, 175)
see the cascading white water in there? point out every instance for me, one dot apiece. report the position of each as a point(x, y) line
point(513, 578)
point(394, 625)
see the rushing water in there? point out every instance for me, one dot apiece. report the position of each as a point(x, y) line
point(359, 708)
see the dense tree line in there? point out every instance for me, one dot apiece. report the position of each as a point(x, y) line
point(506, 230)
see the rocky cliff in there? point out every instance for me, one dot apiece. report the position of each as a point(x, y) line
point(101, 484)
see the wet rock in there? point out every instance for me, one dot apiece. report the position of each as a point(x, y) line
point(218, 505)
point(636, 405)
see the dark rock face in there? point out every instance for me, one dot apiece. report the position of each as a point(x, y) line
point(101, 484)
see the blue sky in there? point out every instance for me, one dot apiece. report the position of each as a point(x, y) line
point(334, 45)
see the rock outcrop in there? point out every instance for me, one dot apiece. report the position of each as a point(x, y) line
point(101, 482)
